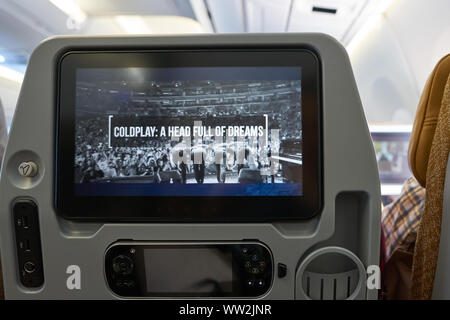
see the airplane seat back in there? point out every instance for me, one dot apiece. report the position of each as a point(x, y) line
point(428, 158)
point(287, 253)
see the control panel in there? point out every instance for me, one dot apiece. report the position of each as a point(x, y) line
point(28, 243)
point(151, 269)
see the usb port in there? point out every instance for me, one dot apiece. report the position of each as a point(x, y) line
point(27, 245)
point(23, 222)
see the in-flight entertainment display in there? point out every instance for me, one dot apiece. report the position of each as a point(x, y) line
point(216, 131)
point(179, 135)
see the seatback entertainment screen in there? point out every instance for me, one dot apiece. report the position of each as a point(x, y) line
point(213, 131)
point(187, 131)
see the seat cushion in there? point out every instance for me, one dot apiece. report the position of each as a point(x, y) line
point(426, 120)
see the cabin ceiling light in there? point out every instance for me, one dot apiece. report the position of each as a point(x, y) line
point(133, 24)
point(371, 24)
point(158, 25)
point(10, 74)
point(70, 8)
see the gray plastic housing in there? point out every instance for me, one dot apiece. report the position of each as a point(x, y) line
point(350, 218)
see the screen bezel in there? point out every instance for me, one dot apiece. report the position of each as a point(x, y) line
point(198, 208)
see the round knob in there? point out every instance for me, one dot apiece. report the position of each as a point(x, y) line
point(29, 267)
point(123, 265)
point(28, 169)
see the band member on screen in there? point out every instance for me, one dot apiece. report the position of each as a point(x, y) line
point(198, 157)
point(269, 156)
point(242, 157)
point(219, 159)
point(183, 170)
point(177, 158)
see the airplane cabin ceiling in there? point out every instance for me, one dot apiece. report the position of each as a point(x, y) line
point(338, 18)
point(25, 23)
point(136, 7)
